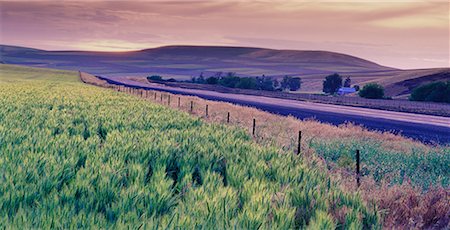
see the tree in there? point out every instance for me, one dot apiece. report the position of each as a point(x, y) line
point(435, 91)
point(265, 83)
point(276, 84)
point(372, 91)
point(230, 80)
point(332, 83)
point(212, 80)
point(154, 78)
point(201, 79)
point(247, 83)
point(290, 83)
point(347, 82)
point(285, 83)
point(218, 75)
point(294, 83)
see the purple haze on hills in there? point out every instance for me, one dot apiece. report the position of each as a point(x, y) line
point(192, 60)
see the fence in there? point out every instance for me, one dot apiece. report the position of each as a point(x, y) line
point(219, 112)
point(165, 97)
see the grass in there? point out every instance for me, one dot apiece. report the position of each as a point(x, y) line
point(385, 157)
point(423, 169)
point(78, 156)
point(408, 180)
point(15, 73)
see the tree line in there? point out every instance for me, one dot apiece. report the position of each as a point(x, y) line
point(232, 80)
point(435, 91)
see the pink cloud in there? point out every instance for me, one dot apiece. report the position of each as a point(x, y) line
point(388, 33)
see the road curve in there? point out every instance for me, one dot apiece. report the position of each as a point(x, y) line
point(425, 128)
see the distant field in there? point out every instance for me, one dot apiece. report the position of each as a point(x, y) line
point(396, 82)
point(78, 156)
point(14, 73)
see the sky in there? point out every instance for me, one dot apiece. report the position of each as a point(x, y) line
point(403, 34)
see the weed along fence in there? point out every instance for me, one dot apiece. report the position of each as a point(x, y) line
point(256, 123)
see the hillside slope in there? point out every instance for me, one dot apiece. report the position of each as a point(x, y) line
point(183, 62)
point(192, 60)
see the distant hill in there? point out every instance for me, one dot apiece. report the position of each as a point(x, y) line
point(192, 60)
point(183, 62)
point(403, 87)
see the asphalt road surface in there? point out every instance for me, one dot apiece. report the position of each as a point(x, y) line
point(425, 128)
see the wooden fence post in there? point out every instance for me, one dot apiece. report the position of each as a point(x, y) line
point(358, 183)
point(178, 102)
point(254, 126)
point(299, 142)
point(192, 106)
point(161, 96)
point(168, 100)
point(228, 117)
point(206, 111)
point(155, 96)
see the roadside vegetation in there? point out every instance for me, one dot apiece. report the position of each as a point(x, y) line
point(372, 91)
point(79, 156)
point(435, 92)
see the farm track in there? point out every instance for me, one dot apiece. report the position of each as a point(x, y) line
point(425, 128)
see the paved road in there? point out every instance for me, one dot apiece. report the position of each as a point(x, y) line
point(426, 128)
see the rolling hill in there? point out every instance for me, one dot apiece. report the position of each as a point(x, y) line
point(183, 62)
point(192, 60)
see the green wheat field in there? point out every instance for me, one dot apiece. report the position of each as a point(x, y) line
point(78, 156)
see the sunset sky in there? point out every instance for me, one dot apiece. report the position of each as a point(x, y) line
point(404, 34)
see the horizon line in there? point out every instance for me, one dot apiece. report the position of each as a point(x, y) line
point(218, 46)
